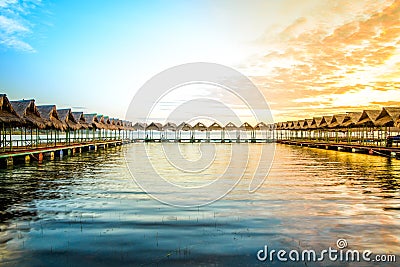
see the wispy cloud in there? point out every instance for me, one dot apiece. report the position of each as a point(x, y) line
point(15, 26)
point(343, 53)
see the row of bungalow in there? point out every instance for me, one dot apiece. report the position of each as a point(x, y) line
point(369, 127)
point(26, 124)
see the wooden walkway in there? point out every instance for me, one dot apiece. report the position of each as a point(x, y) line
point(393, 152)
point(20, 155)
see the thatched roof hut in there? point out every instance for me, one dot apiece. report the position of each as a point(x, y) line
point(261, 126)
point(28, 112)
point(50, 115)
point(113, 124)
point(246, 127)
point(351, 119)
point(139, 126)
point(291, 124)
point(368, 117)
point(65, 115)
point(184, 127)
point(315, 123)
point(92, 120)
point(337, 120)
point(215, 127)
point(169, 126)
point(8, 116)
point(298, 124)
point(200, 127)
point(325, 122)
point(101, 122)
point(231, 127)
point(388, 116)
point(154, 126)
point(308, 123)
point(79, 118)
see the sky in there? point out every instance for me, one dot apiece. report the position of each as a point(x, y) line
point(308, 58)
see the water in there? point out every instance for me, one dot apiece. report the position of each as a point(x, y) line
point(86, 210)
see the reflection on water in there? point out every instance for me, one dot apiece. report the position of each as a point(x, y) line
point(86, 210)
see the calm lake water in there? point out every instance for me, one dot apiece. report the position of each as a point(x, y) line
point(86, 210)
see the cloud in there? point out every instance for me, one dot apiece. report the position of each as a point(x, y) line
point(341, 53)
point(15, 26)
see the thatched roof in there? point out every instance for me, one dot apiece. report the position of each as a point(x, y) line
point(184, 127)
point(388, 116)
point(215, 127)
point(368, 117)
point(154, 126)
point(315, 123)
point(230, 127)
point(79, 118)
point(139, 126)
point(101, 123)
point(49, 113)
point(308, 123)
point(200, 127)
point(261, 126)
point(298, 124)
point(65, 115)
point(8, 116)
point(246, 127)
point(28, 112)
point(91, 120)
point(111, 124)
point(169, 126)
point(337, 120)
point(351, 119)
point(325, 122)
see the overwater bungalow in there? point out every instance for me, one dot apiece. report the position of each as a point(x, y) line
point(28, 113)
point(65, 115)
point(215, 127)
point(8, 116)
point(49, 113)
point(79, 118)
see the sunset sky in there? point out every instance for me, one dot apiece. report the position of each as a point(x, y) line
point(309, 57)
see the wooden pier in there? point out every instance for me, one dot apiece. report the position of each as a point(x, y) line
point(26, 155)
point(392, 152)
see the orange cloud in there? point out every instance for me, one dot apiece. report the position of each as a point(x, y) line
point(314, 61)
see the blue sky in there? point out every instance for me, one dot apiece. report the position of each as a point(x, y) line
point(96, 54)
